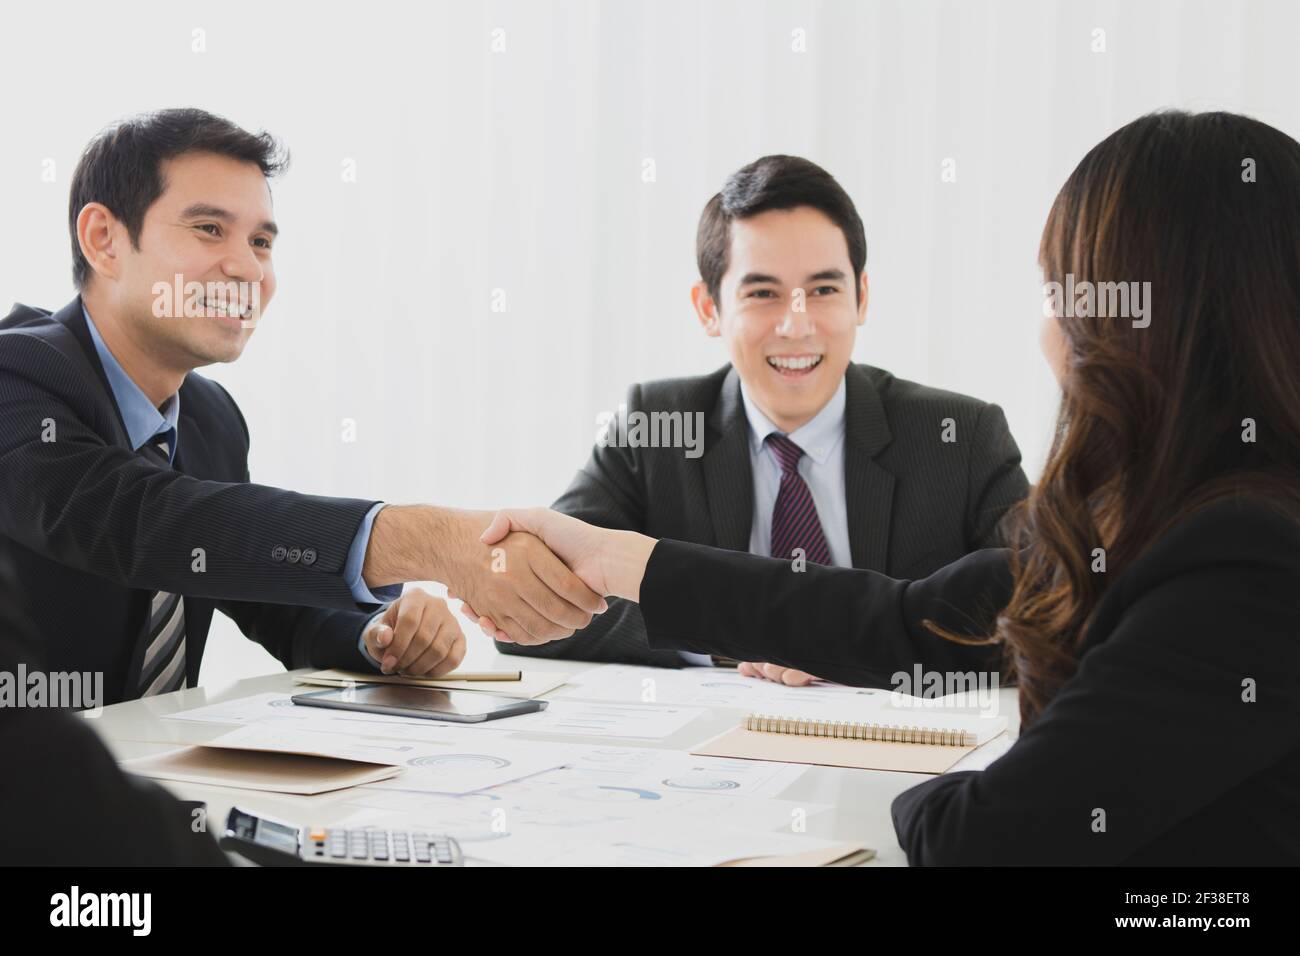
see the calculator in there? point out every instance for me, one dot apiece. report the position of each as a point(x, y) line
point(276, 843)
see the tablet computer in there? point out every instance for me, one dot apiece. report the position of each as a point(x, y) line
point(431, 703)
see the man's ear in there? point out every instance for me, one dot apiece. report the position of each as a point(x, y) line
point(99, 235)
point(706, 310)
point(862, 298)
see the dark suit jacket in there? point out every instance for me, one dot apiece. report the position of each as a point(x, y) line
point(1181, 724)
point(915, 503)
point(93, 528)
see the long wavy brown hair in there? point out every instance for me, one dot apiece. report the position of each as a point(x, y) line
point(1153, 420)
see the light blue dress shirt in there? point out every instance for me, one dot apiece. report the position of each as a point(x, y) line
point(143, 421)
point(822, 469)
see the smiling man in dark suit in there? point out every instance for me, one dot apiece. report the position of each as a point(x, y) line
point(806, 455)
point(126, 508)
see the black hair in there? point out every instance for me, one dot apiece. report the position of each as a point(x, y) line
point(122, 166)
point(775, 182)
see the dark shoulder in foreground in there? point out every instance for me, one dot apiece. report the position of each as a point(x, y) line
point(1242, 530)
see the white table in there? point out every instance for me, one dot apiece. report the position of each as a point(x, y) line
point(861, 798)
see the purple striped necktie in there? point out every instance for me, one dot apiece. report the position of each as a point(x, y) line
point(794, 519)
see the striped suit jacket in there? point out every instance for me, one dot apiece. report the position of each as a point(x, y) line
point(915, 502)
point(93, 529)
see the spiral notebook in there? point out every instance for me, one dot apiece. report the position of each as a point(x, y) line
point(883, 739)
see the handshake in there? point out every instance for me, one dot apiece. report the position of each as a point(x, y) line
point(519, 589)
point(527, 576)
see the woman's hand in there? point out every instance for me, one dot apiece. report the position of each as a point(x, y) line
point(579, 545)
point(609, 562)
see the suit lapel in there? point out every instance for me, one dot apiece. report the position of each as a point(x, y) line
point(191, 453)
point(868, 488)
point(83, 353)
point(727, 476)
point(73, 318)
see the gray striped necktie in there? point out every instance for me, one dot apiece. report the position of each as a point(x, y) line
point(163, 666)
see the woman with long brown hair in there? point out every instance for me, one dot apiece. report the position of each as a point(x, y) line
point(1150, 611)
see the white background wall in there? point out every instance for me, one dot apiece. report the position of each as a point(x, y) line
point(522, 170)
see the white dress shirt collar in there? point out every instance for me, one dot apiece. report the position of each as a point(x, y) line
point(817, 437)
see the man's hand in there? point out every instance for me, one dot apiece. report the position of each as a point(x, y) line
point(526, 589)
point(417, 635)
point(775, 672)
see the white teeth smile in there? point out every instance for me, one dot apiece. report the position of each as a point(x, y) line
point(794, 363)
point(231, 310)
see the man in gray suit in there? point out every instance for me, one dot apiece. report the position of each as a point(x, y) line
point(803, 455)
